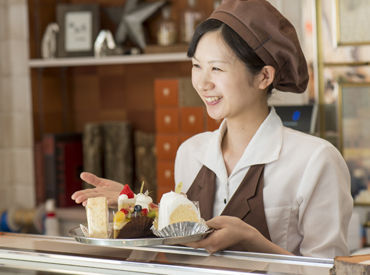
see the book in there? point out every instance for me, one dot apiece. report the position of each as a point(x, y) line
point(39, 173)
point(63, 162)
point(93, 148)
point(118, 153)
point(69, 168)
point(108, 151)
point(145, 162)
point(357, 265)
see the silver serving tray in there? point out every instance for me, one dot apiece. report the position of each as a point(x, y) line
point(76, 233)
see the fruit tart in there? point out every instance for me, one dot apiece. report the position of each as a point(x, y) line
point(135, 214)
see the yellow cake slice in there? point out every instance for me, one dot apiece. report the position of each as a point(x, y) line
point(174, 208)
point(97, 217)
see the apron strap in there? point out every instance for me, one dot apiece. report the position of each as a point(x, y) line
point(203, 190)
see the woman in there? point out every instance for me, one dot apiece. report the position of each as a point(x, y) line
point(262, 186)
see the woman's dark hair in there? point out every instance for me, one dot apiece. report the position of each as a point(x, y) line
point(241, 49)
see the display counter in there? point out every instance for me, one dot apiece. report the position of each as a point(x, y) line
point(38, 254)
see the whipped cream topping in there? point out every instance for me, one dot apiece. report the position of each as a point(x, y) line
point(169, 202)
point(143, 200)
point(124, 201)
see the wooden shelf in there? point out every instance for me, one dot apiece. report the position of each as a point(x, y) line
point(363, 204)
point(108, 60)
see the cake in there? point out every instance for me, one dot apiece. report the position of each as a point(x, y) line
point(97, 217)
point(174, 208)
point(135, 214)
point(126, 197)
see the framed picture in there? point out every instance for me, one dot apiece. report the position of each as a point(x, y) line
point(354, 131)
point(78, 29)
point(352, 22)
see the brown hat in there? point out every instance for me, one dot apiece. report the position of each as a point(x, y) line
point(271, 36)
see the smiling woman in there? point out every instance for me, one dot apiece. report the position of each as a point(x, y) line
point(260, 185)
point(241, 170)
point(221, 78)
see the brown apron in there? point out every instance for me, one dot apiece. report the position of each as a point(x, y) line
point(246, 203)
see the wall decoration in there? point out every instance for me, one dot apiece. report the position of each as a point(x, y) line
point(352, 21)
point(78, 29)
point(354, 131)
point(131, 18)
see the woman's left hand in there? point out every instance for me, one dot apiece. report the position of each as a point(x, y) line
point(228, 232)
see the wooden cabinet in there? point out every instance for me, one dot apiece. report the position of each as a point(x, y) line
point(70, 92)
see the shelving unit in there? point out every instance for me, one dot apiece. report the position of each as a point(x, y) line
point(68, 93)
point(108, 60)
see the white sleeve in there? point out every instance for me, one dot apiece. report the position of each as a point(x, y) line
point(326, 204)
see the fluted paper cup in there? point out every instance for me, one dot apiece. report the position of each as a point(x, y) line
point(137, 227)
point(180, 229)
point(85, 230)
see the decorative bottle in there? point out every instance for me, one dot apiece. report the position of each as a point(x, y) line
point(191, 17)
point(51, 220)
point(166, 34)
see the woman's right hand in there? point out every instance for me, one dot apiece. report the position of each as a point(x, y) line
point(103, 188)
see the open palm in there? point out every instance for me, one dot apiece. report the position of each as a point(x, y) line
point(103, 188)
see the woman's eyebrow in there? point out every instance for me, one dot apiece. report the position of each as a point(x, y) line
point(214, 61)
point(218, 61)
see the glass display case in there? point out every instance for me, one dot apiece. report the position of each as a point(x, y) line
point(37, 254)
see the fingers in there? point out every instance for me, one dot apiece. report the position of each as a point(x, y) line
point(78, 198)
point(227, 233)
point(193, 245)
point(197, 245)
point(83, 195)
point(208, 244)
point(217, 222)
point(220, 222)
point(91, 179)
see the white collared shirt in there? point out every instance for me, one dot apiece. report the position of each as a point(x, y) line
point(306, 192)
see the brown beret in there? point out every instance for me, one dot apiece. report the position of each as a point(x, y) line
point(271, 36)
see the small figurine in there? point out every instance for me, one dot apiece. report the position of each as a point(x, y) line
point(104, 44)
point(49, 41)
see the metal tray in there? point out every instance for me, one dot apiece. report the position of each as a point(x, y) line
point(76, 233)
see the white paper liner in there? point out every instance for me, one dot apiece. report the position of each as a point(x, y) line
point(85, 230)
point(180, 229)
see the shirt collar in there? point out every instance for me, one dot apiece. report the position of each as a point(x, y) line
point(263, 148)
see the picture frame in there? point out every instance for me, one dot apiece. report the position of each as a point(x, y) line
point(354, 130)
point(78, 29)
point(352, 21)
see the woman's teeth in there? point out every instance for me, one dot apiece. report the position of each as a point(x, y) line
point(212, 99)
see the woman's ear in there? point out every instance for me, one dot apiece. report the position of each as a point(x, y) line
point(265, 77)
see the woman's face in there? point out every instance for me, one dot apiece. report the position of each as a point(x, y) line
point(222, 80)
